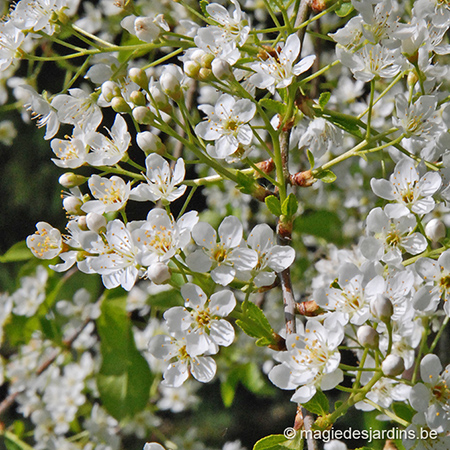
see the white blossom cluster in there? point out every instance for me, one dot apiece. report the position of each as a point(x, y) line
point(206, 97)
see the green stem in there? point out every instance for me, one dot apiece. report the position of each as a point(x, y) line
point(438, 336)
point(369, 115)
point(422, 350)
point(388, 413)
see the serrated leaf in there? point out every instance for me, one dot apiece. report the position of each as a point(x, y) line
point(203, 5)
point(289, 206)
point(323, 99)
point(273, 105)
point(345, 9)
point(318, 404)
point(327, 176)
point(255, 324)
point(271, 442)
point(18, 252)
point(273, 205)
point(124, 379)
point(310, 158)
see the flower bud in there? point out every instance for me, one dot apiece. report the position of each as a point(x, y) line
point(368, 337)
point(138, 98)
point(110, 90)
point(381, 307)
point(139, 77)
point(70, 180)
point(150, 143)
point(159, 99)
point(206, 60)
point(143, 115)
point(221, 69)
point(191, 68)
point(412, 78)
point(170, 85)
point(435, 230)
point(205, 74)
point(197, 55)
point(95, 222)
point(73, 205)
point(159, 273)
point(393, 365)
point(119, 105)
point(82, 223)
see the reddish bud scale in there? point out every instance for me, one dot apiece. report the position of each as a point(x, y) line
point(266, 166)
point(309, 309)
point(303, 179)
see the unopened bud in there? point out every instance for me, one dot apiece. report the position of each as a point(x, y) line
point(197, 55)
point(158, 98)
point(73, 205)
point(205, 74)
point(393, 365)
point(119, 105)
point(368, 337)
point(139, 77)
point(143, 115)
point(110, 90)
point(70, 180)
point(95, 222)
point(170, 85)
point(150, 143)
point(159, 273)
point(412, 78)
point(191, 68)
point(206, 60)
point(435, 230)
point(82, 223)
point(138, 98)
point(221, 69)
point(381, 307)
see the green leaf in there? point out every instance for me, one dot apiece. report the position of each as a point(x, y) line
point(289, 206)
point(323, 99)
point(327, 176)
point(273, 105)
point(345, 9)
point(323, 224)
point(403, 411)
point(318, 404)
point(254, 323)
point(166, 299)
point(124, 379)
point(273, 205)
point(271, 442)
point(18, 252)
point(346, 125)
point(310, 158)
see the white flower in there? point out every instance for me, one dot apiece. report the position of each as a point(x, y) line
point(432, 397)
point(108, 151)
point(27, 299)
point(201, 320)
point(78, 108)
point(419, 119)
point(225, 258)
point(10, 40)
point(111, 194)
point(117, 262)
point(161, 182)
point(436, 274)
point(234, 28)
point(181, 363)
point(71, 153)
point(159, 238)
point(46, 242)
point(389, 237)
point(277, 70)
point(410, 192)
point(270, 257)
point(372, 61)
point(146, 29)
point(311, 361)
point(227, 124)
